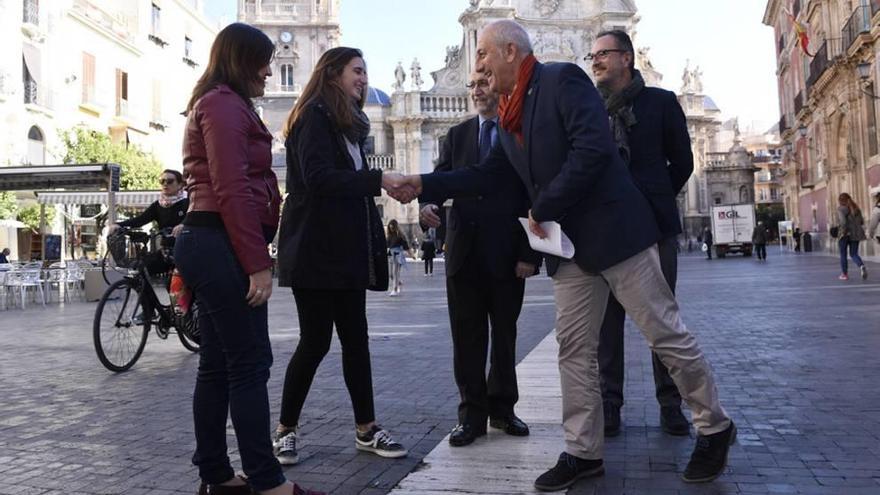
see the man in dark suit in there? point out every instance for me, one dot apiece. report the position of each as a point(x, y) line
point(487, 261)
point(651, 133)
point(555, 137)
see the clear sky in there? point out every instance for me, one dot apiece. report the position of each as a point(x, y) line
point(726, 38)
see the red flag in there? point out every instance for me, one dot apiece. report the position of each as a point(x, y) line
point(801, 32)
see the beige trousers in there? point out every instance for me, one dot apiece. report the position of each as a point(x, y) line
point(638, 284)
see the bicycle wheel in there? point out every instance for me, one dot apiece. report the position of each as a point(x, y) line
point(121, 326)
point(188, 329)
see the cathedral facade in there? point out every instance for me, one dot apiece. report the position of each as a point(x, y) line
point(409, 125)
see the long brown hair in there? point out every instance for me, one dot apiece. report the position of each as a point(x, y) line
point(324, 84)
point(846, 200)
point(237, 55)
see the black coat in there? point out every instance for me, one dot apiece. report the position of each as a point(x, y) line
point(571, 170)
point(661, 160)
point(331, 236)
point(486, 225)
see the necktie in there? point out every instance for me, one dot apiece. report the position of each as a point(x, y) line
point(486, 138)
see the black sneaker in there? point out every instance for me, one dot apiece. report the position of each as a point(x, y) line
point(379, 442)
point(612, 419)
point(673, 422)
point(710, 456)
point(284, 447)
point(567, 471)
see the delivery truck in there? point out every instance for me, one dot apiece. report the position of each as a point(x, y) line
point(732, 227)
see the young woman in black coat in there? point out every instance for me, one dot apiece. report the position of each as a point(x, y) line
point(331, 247)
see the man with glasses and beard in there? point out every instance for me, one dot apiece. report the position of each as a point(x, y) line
point(487, 261)
point(650, 131)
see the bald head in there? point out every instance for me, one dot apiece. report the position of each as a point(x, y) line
point(501, 48)
point(506, 32)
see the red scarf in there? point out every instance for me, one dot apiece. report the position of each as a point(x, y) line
point(510, 107)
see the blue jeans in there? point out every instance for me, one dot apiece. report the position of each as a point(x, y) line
point(842, 245)
point(234, 361)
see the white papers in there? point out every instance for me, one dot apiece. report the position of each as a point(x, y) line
point(556, 242)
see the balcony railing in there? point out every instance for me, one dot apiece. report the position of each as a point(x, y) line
point(783, 125)
point(30, 91)
point(859, 22)
point(716, 159)
point(799, 102)
point(31, 12)
point(825, 58)
point(122, 108)
point(380, 162)
point(444, 106)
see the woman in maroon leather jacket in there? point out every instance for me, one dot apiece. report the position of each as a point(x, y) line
point(222, 254)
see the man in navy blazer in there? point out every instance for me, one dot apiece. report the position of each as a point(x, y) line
point(555, 137)
point(650, 131)
point(488, 259)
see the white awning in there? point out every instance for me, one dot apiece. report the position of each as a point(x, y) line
point(32, 60)
point(123, 198)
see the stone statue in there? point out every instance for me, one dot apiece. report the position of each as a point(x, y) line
point(453, 57)
point(546, 7)
point(399, 77)
point(643, 58)
point(686, 81)
point(697, 80)
point(416, 74)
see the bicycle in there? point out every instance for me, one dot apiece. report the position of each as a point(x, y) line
point(130, 307)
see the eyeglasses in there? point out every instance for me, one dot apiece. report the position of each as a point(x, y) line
point(601, 54)
point(167, 181)
point(482, 83)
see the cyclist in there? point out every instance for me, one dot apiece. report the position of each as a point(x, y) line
point(168, 211)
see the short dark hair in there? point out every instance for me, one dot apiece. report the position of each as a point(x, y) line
point(623, 43)
point(177, 175)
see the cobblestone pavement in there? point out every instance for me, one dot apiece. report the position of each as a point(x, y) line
point(794, 349)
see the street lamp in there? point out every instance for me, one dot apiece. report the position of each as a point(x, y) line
point(864, 70)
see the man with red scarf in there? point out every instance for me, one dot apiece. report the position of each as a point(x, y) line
point(555, 137)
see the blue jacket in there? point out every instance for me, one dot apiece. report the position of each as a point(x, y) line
point(570, 168)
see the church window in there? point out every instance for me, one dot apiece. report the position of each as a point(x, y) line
point(286, 74)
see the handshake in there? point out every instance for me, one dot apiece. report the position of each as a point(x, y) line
point(403, 188)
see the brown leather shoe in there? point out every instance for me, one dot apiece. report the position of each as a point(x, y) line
point(206, 489)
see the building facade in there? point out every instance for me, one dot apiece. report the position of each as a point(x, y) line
point(121, 67)
point(828, 108)
point(126, 68)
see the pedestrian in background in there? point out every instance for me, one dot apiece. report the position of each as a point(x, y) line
point(397, 249)
point(222, 253)
point(797, 240)
point(851, 225)
point(428, 251)
point(707, 241)
point(759, 239)
point(875, 219)
point(331, 247)
point(4, 256)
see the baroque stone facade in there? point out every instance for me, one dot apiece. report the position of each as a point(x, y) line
point(828, 108)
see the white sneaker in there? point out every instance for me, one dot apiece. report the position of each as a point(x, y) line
point(379, 442)
point(864, 270)
point(284, 447)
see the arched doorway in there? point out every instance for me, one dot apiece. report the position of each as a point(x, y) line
point(36, 147)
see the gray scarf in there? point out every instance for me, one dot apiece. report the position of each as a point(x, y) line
point(360, 126)
point(620, 114)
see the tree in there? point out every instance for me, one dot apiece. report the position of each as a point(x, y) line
point(30, 216)
point(140, 170)
point(8, 205)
